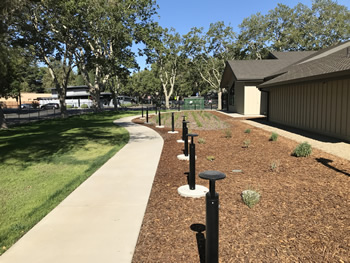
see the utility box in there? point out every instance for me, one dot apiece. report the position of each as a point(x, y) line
point(194, 103)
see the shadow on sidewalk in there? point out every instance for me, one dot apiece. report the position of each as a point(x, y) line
point(311, 135)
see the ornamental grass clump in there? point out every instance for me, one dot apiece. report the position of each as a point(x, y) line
point(274, 137)
point(246, 143)
point(201, 141)
point(302, 150)
point(275, 165)
point(210, 158)
point(250, 197)
point(228, 133)
point(247, 131)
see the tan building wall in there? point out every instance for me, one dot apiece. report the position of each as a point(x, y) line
point(319, 106)
point(239, 98)
point(252, 99)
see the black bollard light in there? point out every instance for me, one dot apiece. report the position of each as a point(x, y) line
point(211, 106)
point(147, 114)
point(159, 119)
point(192, 174)
point(178, 108)
point(156, 109)
point(183, 127)
point(172, 122)
point(212, 216)
point(142, 110)
point(186, 139)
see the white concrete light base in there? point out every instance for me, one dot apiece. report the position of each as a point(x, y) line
point(182, 157)
point(160, 127)
point(173, 132)
point(181, 141)
point(199, 191)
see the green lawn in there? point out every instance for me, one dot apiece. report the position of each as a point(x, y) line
point(41, 163)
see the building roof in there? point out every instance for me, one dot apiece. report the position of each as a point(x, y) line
point(331, 62)
point(258, 70)
point(291, 55)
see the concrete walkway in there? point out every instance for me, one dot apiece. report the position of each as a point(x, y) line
point(100, 221)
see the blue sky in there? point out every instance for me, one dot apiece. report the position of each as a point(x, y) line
point(185, 14)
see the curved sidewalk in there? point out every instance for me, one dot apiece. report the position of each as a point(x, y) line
point(100, 221)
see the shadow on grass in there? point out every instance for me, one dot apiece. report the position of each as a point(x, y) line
point(326, 162)
point(42, 140)
point(199, 228)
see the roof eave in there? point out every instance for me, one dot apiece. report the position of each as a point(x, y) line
point(344, 73)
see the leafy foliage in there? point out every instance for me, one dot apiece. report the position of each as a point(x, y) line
point(250, 197)
point(303, 150)
point(274, 137)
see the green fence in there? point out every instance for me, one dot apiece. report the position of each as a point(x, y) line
point(194, 103)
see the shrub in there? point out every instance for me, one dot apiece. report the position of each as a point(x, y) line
point(201, 141)
point(228, 133)
point(84, 106)
point(275, 165)
point(250, 197)
point(274, 137)
point(246, 143)
point(247, 131)
point(210, 158)
point(302, 150)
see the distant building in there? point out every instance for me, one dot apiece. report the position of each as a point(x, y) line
point(77, 96)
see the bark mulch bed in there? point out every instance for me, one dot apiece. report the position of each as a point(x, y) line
point(303, 214)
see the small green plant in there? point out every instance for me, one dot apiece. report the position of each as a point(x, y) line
point(210, 158)
point(201, 141)
point(228, 133)
point(274, 137)
point(302, 150)
point(250, 197)
point(275, 165)
point(247, 131)
point(246, 143)
point(84, 106)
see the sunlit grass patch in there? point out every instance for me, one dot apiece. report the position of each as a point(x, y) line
point(41, 163)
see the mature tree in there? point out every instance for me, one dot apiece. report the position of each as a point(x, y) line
point(10, 56)
point(47, 27)
point(210, 51)
point(143, 84)
point(107, 32)
point(253, 37)
point(298, 28)
point(165, 52)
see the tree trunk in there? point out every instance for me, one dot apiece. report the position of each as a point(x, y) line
point(3, 124)
point(95, 94)
point(167, 105)
point(62, 98)
point(219, 100)
point(114, 98)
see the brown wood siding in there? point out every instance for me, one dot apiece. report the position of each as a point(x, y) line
point(322, 107)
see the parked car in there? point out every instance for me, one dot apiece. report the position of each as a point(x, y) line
point(50, 106)
point(27, 106)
